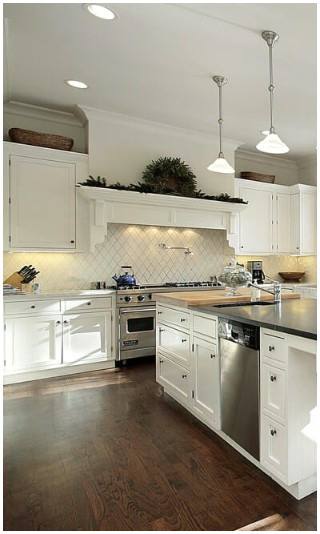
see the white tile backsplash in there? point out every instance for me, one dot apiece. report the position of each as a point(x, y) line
point(131, 245)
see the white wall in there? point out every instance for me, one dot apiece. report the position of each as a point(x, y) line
point(120, 147)
point(284, 169)
point(308, 170)
point(20, 115)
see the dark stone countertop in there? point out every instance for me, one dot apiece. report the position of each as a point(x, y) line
point(293, 316)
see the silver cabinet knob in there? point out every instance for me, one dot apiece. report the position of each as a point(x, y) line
point(273, 432)
point(88, 303)
point(159, 312)
point(212, 356)
point(271, 348)
point(184, 376)
point(65, 322)
point(161, 330)
point(183, 320)
point(32, 307)
point(72, 241)
point(160, 361)
point(273, 378)
point(58, 322)
point(184, 340)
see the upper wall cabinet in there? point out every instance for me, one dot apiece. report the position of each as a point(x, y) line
point(40, 198)
point(278, 220)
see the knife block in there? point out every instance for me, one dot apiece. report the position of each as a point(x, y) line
point(15, 280)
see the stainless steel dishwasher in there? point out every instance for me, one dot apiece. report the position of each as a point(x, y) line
point(239, 379)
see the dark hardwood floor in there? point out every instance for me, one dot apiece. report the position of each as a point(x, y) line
point(108, 451)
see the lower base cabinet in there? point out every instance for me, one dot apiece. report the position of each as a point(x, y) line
point(174, 378)
point(33, 342)
point(206, 380)
point(86, 337)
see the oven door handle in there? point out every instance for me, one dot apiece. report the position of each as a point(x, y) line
point(137, 310)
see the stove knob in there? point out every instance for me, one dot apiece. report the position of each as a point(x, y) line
point(140, 298)
point(127, 298)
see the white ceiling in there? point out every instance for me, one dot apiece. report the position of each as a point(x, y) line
point(155, 61)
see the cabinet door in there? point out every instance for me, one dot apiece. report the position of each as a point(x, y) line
point(308, 224)
point(273, 391)
point(175, 342)
point(256, 234)
point(173, 378)
point(33, 342)
point(206, 383)
point(274, 447)
point(42, 209)
point(283, 241)
point(86, 337)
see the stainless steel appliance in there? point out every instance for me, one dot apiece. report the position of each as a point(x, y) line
point(239, 380)
point(256, 270)
point(137, 315)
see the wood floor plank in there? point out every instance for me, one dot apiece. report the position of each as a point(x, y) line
point(107, 450)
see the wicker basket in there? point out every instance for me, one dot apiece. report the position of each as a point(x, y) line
point(28, 137)
point(258, 177)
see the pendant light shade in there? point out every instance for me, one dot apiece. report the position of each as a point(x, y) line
point(272, 143)
point(220, 164)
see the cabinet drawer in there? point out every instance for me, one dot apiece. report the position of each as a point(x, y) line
point(274, 447)
point(176, 343)
point(273, 391)
point(173, 378)
point(205, 326)
point(274, 347)
point(87, 304)
point(178, 318)
point(32, 306)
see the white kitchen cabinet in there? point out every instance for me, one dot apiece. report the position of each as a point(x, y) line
point(278, 219)
point(273, 391)
point(40, 199)
point(86, 337)
point(174, 342)
point(274, 447)
point(255, 225)
point(206, 380)
point(174, 378)
point(32, 342)
point(304, 217)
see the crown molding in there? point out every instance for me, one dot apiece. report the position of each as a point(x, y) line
point(120, 118)
point(47, 114)
point(242, 154)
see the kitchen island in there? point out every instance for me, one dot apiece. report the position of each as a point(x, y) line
point(189, 369)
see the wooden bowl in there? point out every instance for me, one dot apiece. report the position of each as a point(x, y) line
point(292, 276)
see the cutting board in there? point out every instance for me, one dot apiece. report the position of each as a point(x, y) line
point(215, 296)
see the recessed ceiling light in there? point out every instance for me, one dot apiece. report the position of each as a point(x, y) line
point(76, 84)
point(101, 11)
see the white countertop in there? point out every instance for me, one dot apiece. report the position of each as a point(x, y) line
point(60, 294)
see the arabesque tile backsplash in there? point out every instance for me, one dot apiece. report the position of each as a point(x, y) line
point(132, 245)
point(139, 246)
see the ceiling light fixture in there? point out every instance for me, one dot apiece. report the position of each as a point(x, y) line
point(76, 84)
point(100, 11)
point(220, 164)
point(272, 143)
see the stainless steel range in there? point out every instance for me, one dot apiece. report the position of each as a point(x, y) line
point(137, 315)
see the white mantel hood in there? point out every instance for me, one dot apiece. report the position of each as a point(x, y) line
point(130, 207)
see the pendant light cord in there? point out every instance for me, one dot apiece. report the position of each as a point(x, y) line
point(220, 121)
point(271, 87)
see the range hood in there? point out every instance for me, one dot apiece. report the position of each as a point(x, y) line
point(130, 207)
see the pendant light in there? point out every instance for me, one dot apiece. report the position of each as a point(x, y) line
point(220, 164)
point(272, 143)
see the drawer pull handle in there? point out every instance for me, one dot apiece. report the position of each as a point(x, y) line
point(273, 378)
point(184, 340)
point(273, 432)
point(58, 322)
point(212, 356)
point(184, 376)
point(88, 303)
point(183, 320)
point(32, 307)
point(271, 348)
point(72, 241)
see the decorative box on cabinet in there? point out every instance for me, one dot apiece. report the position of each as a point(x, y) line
point(42, 209)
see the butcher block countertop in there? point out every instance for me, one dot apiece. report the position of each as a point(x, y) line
point(214, 296)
